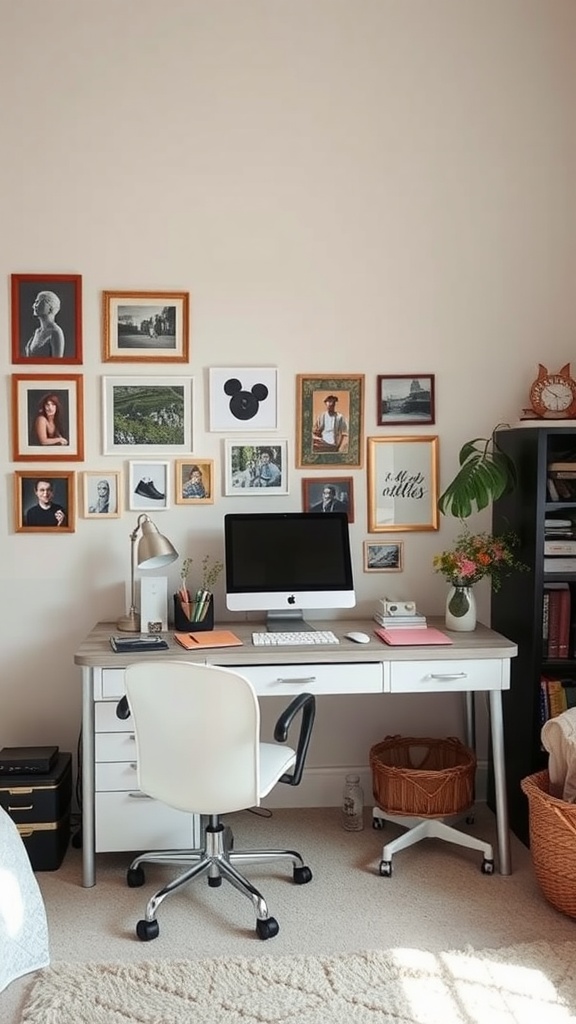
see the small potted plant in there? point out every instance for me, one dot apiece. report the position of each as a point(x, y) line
point(194, 609)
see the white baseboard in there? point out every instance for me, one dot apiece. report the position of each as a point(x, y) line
point(322, 787)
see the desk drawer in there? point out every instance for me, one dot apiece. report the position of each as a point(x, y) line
point(106, 719)
point(288, 680)
point(441, 676)
point(133, 821)
point(115, 746)
point(116, 776)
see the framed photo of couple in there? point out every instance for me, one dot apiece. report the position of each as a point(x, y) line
point(330, 412)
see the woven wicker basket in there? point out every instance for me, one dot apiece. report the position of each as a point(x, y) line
point(552, 842)
point(424, 778)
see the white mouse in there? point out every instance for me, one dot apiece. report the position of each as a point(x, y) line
point(358, 638)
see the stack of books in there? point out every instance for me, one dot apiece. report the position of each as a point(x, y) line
point(561, 481)
point(559, 545)
point(556, 621)
point(414, 621)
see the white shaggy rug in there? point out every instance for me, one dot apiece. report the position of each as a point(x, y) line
point(533, 983)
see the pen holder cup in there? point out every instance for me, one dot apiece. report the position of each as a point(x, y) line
point(185, 625)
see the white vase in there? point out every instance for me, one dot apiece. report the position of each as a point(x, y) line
point(460, 609)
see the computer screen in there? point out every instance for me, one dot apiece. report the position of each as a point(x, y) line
point(284, 562)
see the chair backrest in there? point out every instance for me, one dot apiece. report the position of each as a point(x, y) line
point(197, 733)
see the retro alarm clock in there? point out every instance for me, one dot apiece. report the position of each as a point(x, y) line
point(553, 395)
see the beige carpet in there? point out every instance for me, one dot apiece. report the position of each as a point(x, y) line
point(532, 983)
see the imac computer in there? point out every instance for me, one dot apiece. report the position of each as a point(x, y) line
point(284, 562)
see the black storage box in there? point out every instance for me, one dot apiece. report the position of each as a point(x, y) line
point(39, 806)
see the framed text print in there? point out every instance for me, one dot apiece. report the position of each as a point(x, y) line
point(146, 327)
point(46, 318)
point(329, 420)
point(47, 417)
point(145, 415)
point(44, 502)
point(402, 483)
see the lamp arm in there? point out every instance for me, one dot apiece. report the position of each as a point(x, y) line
point(142, 518)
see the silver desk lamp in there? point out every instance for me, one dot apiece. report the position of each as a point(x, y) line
point(152, 552)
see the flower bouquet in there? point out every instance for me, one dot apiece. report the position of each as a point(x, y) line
point(477, 555)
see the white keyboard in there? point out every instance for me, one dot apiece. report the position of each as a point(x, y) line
point(314, 636)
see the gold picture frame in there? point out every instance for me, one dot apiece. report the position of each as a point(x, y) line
point(194, 476)
point(146, 327)
point(101, 494)
point(402, 484)
point(379, 557)
point(47, 417)
point(329, 420)
point(33, 503)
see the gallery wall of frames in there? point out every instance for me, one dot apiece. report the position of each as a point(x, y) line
point(147, 424)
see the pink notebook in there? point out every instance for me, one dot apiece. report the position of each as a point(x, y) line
point(413, 637)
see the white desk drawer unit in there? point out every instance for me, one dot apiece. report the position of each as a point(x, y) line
point(443, 676)
point(126, 818)
point(319, 679)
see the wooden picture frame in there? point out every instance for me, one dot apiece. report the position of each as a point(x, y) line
point(148, 485)
point(405, 398)
point(101, 494)
point(44, 502)
point(402, 483)
point(194, 481)
point(256, 469)
point(145, 415)
point(330, 413)
point(383, 557)
point(339, 495)
point(146, 327)
point(46, 315)
point(47, 417)
point(243, 398)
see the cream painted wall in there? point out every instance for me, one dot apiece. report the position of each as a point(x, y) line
point(369, 186)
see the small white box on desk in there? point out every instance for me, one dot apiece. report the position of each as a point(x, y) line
point(153, 602)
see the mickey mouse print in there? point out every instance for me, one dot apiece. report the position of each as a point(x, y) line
point(243, 398)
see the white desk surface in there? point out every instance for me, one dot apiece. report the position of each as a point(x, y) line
point(95, 650)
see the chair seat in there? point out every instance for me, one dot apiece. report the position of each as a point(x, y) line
point(275, 761)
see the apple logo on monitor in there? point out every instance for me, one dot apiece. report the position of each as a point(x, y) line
point(291, 599)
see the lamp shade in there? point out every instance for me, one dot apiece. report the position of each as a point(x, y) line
point(154, 549)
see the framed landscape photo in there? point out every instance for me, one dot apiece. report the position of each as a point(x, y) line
point(145, 415)
point(383, 557)
point(101, 495)
point(194, 481)
point(46, 314)
point(44, 502)
point(256, 469)
point(330, 413)
point(148, 486)
point(47, 417)
point(328, 494)
point(405, 398)
point(243, 398)
point(146, 327)
point(402, 483)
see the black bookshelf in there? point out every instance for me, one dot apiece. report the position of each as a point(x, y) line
point(517, 608)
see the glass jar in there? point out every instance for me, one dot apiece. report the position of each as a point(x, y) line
point(352, 804)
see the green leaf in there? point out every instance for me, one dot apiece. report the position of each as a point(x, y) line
point(485, 474)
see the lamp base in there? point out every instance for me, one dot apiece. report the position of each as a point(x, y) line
point(129, 623)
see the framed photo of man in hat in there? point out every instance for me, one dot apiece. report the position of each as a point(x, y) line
point(330, 414)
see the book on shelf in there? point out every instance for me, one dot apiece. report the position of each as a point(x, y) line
point(565, 466)
point(556, 696)
point(556, 621)
point(556, 523)
point(560, 563)
point(561, 488)
point(559, 546)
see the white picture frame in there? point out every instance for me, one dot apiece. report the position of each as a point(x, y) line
point(131, 423)
point(243, 398)
point(149, 485)
point(247, 464)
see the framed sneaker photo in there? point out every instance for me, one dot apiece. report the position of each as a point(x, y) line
point(148, 486)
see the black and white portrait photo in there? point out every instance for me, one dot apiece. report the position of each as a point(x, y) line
point(46, 318)
point(328, 494)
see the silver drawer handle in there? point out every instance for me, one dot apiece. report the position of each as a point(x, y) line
point(140, 796)
point(447, 675)
point(27, 807)
point(300, 681)
point(134, 766)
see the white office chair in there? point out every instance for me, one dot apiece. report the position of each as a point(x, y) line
point(197, 731)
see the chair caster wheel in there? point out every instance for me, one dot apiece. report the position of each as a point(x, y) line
point(215, 882)
point(135, 877)
point(147, 930)
point(378, 823)
point(267, 928)
point(487, 867)
point(385, 868)
point(302, 875)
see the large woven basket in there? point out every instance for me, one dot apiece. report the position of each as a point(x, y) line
point(424, 778)
point(552, 842)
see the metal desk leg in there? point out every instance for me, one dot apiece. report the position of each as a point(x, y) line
point(497, 731)
point(470, 719)
point(88, 787)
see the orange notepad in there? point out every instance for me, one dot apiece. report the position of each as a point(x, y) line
point(413, 637)
point(208, 638)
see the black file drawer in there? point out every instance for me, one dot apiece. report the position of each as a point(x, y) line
point(39, 806)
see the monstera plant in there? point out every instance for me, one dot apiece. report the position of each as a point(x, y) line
point(485, 474)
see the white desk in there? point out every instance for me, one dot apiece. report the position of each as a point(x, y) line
point(477, 661)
